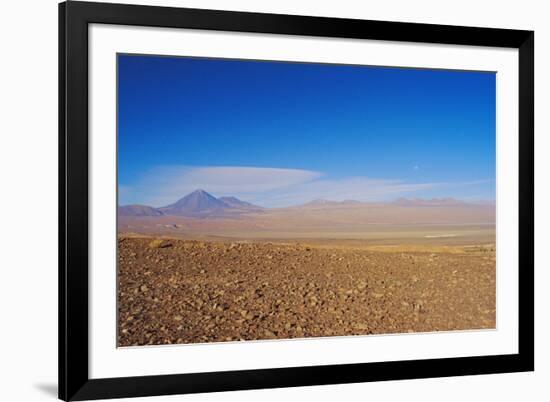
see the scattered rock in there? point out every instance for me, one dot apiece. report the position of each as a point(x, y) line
point(270, 334)
point(159, 243)
point(321, 292)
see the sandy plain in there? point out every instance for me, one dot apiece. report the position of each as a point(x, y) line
point(296, 274)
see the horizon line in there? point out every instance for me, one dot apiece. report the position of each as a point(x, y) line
point(480, 201)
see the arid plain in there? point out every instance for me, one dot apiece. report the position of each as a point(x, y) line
point(201, 271)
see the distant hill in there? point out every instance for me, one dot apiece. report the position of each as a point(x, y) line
point(234, 202)
point(434, 202)
point(327, 203)
point(199, 203)
point(319, 203)
point(400, 202)
point(138, 210)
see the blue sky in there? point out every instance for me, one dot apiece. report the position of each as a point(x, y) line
point(280, 134)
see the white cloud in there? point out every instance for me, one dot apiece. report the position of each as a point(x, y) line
point(164, 185)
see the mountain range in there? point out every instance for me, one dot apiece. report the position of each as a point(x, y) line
point(138, 210)
point(201, 204)
point(434, 202)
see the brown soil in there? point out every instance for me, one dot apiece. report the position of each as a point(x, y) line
point(182, 291)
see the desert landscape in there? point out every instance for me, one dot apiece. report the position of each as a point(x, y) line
point(207, 269)
point(264, 199)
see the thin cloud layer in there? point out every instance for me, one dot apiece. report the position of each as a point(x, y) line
point(269, 187)
point(164, 185)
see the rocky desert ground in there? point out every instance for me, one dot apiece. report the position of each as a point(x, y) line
point(192, 291)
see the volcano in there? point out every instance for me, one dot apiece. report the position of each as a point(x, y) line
point(197, 203)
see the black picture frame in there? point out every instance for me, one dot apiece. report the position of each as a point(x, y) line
point(74, 381)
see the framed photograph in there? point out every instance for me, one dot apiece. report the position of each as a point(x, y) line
point(257, 201)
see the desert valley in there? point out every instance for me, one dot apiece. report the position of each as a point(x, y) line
point(201, 216)
point(207, 269)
